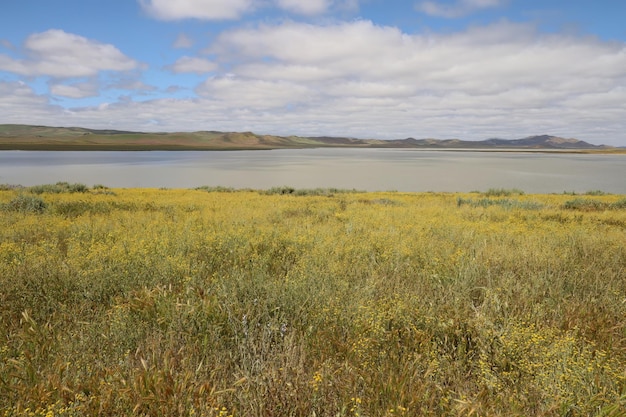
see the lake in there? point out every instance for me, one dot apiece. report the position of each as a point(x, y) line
point(363, 169)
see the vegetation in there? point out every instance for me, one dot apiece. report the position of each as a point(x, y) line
point(188, 302)
point(26, 137)
point(60, 187)
point(503, 192)
point(308, 191)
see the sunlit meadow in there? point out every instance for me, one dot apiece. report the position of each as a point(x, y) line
point(216, 302)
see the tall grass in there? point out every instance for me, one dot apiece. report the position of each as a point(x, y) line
point(183, 302)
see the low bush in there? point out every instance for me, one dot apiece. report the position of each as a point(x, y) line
point(25, 204)
point(58, 188)
point(308, 191)
point(216, 189)
point(503, 192)
point(586, 204)
point(503, 202)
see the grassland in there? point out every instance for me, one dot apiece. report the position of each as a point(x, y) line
point(46, 138)
point(217, 302)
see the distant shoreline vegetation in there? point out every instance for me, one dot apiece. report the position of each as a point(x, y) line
point(29, 200)
point(44, 138)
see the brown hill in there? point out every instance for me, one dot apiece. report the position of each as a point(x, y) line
point(25, 137)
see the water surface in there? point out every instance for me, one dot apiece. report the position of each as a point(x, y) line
point(363, 169)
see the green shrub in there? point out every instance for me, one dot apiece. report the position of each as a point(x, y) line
point(216, 189)
point(503, 192)
point(502, 202)
point(58, 188)
point(585, 204)
point(25, 204)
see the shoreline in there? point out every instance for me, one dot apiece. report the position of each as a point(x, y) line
point(56, 147)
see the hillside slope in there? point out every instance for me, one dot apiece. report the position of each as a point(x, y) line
point(26, 137)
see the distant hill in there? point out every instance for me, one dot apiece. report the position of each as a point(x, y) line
point(26, 137)
point(531, 142)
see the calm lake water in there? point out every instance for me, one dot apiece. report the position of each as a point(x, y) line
point(363, 169)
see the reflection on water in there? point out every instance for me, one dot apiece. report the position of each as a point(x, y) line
point(364, 169)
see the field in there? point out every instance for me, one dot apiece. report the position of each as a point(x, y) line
point(215, 302)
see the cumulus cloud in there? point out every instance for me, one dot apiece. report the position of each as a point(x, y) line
point(458, 9)
point(479, 61)
point(256, 94)
point(343, 48)
point(59, 54)
point(193, 64)
point(20, 104)
point(197, 9)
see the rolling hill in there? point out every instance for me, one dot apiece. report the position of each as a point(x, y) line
point(27, 137)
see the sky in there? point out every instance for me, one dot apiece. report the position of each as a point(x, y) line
point(386, 69)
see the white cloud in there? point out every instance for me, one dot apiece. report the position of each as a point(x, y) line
point(6, 44)
point(257, 94)
point(197, 9)
point(193, 64)
point(479, 61)
point(458, 9)
point(59, 54)
point(77, 90)
point(183, 41)
point(131, 84)
point(20, 104)
point(304, 7)
point(344, 47)
point(235, 9)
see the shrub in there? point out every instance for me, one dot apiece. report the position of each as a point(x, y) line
point(280, 190)
point(585, 204)
point(506, 203)
point(503, 192)
point(620, 204)
point(58, 188)
point(309, 191)
point(25, 204)
point(216, 189)
point(8, 187)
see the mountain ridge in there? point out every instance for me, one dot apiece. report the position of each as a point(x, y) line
point(25, 137)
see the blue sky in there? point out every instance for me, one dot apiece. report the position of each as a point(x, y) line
point(469, 69)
